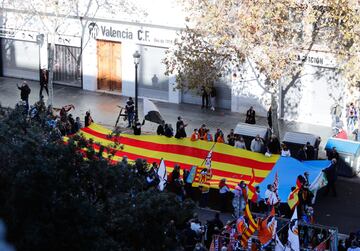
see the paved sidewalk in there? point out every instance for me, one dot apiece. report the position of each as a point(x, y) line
point(343, 211)
point(104, 110)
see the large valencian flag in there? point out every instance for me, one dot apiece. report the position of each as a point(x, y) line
point(227, 162)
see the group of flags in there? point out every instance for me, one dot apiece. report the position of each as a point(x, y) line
point(227, 159)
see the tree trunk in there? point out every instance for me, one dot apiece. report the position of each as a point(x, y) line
point(274, 115)
point(51, 71)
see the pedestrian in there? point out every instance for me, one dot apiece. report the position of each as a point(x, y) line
point(208, 136)
point(213, 224)
point(161, 130)
point(354, 246)
point(285, 151)
point(202, 131)
point(169, 132)
point(188, 238)
point(78, 124)
point(213, 97)
point(44, 76)
point(331, 176)
point(239, 199)
point(310, 151)
point(71, 122)
point(137, 126)
point(333, 154)
point(88, 119)
point(269, 118)
point(231, 138)
point(180, 128)
point(257, 144)
point(130, 111)
point(240, 143)
point(250, 116)
point(24, 93)
point(257, 202)
point(351, 117)
point(301, 155)
point(217, 134)
point(204, 98)
point(195, 135)
point(223, 193)
point(204, 197)
point(220, 138)
point(274, 145)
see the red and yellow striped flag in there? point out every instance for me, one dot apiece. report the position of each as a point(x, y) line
point(251, 228)
point(227, 162)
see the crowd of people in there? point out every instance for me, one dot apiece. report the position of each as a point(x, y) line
point(195, 236)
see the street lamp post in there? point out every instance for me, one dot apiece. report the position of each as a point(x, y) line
point(136, 57)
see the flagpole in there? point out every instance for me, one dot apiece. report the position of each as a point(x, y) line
point(209, 151)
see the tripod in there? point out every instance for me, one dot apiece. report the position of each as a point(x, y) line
point(121, 115)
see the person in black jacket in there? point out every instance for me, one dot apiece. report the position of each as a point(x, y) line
point(180, 129)
point(331, 176)
point(161, 128)
point(250, 116)
point(333, 154)
point(169, 132)
point(302, 154)
point(274, 145)
point(137, 126)
point(44, 76)
point(269, 118)
point(24, 93)
point(88, 119)
point(310, 151)
point(204, 98)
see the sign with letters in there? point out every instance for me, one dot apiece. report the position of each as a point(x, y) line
point(317, 58)
point(18, 34)
point(138, 34)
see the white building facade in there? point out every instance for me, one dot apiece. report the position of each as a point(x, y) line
point(98, 56)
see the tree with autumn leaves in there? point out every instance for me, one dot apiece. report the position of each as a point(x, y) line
point(56, 196)
point(268, 35)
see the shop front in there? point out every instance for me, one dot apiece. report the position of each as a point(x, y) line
point(109, 64)
point(20, 54)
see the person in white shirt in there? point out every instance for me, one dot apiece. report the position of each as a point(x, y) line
point(257, 144)
point(240, 143)
point(285, 152)
point(354, 246)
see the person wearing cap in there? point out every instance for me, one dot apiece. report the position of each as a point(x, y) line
point(180, 128)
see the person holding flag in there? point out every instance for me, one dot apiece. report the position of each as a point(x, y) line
point(267, 228)
point(293, 243)
point(161, 172)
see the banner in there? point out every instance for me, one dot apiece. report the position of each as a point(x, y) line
point(226, 161)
